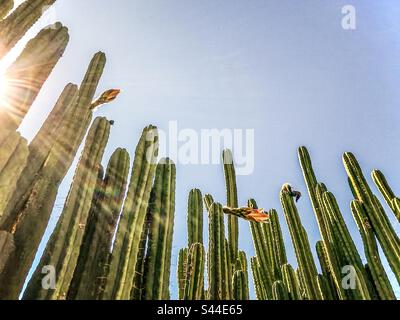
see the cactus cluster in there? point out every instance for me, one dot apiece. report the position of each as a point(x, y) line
point(113, 240)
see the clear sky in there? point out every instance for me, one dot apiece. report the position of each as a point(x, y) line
point(286, 69)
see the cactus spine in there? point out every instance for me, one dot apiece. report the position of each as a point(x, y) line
point(124, 255)
point(161, 211)
point(387, 193)
point(62, 250)
point(88, 281)
point(380, 223)
point(182, 271)
point(14, 27)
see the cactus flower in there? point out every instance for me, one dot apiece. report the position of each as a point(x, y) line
point(249, 214)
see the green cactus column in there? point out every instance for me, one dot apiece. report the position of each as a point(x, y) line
point(302, 247)
point(232, 202)
point(26, 76)
point(264, 252)
point(6, 248)
point(182, 271)
point(14, 27)
point(194, 280)
point(216, 261)
point(279, 291)
point(387, 193)
point(239, 284)
point(62, 250)
point(126, 246)
point(380, 223)
point(39, 147)
point(258, 281)
point(195, 217)
point(27, 215)
point(291, 282)
point(5, 7)
point(378, 273)
point(91, 268)
point(13, 158)
point(161, 211)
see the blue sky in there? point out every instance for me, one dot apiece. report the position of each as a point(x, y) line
point(286, 69)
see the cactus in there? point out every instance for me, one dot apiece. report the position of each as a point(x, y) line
point(6, 248)
point(181, 273)
point(260, 290)
point(39, 147)
point(378, 274)
point(62, 250)
point(239, 285)
point(28, 211)
point(242, 258)
point(194, 279)
point(14, 156)
point(14, 27)
point(161, 211)
point(89, 275)
point(302, 248)
point(387, 193)
point(324, 288)
point(232, 202)
point(279, 291)
point(216, 255)
point(263, 249)
point(5, 7)
point(291, 282)
point(124, 255)
point(195, 217)
point(28, 73)
point(380, 223)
